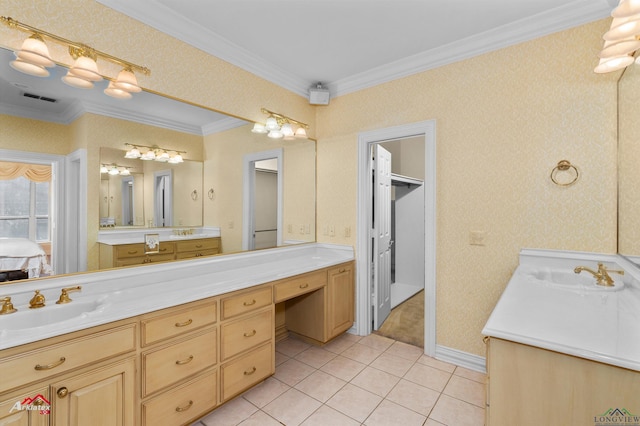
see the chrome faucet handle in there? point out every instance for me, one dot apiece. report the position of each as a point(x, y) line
point(7, 306)
point(64, 295)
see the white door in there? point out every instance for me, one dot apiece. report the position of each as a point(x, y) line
point(163, 198)
point(381, 234)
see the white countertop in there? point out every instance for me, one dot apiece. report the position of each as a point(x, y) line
point(127, 292)
point(589, 322)
point(133, 235)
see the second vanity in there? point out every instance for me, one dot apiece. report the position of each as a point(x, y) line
point(164, 344)
point(562, 349)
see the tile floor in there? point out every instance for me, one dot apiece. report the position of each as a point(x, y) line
point(355, 380)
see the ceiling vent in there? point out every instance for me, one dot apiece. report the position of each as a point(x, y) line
point(42, 98)
point(319, 95)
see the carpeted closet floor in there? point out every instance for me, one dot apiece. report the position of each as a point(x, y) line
point(406, 322)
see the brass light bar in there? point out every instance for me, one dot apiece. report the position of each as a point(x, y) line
point(283, 118)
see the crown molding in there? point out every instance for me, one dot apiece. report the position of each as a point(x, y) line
point(227, 123)
point(570, 15)
point(68, 116)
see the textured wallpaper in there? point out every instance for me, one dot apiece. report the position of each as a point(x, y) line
point(503, 121)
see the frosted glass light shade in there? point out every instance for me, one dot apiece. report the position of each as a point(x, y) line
point(275, 134)
point(86, 68)
point(613, 64)
point(133, 153)
point(287, 130)
point(103, 169)
point(149, 155)
point(75, 81)
point(626, 9)
point(623, 28)
point(163, 157)
point(619, 48)
point(35, 51)
point(176, 159)
point(29, 68)
point(114, 171)
point(272, 124)
point(127, 81)
point(258, 128)
point(301, 133)
point(115, 92)
point(125, 172)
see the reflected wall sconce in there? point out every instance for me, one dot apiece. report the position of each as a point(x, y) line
point(280, 126)
point(34, 58)
point(623, 38)
point(115, 169)
point(154, 152)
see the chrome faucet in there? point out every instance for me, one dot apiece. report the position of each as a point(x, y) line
point(601, 275)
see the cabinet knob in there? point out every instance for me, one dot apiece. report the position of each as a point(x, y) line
point(63, 392)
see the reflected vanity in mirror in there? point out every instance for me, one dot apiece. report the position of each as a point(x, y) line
point(209, 190)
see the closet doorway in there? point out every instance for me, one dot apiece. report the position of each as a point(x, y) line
point(412, 199)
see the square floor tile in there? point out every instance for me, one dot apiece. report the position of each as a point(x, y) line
point(343, 368)
point(392, 364)
point(315, 357)
point(405, 350)
point(292, 407)
point(327, 416)
point(377, 342)
point(320, 385)
point(440, 365)
point(260, 418)
point(388, 413)
point(451, 411)
point(414, 397)
point(340, 343)
point(376, 381)
point(292, 372)
point(470, 374)
point(265, 392)
point(354, 402)
point(291, 347)
point(230, 414)
point(428, 376)
point(466, 390)
point(362, 353)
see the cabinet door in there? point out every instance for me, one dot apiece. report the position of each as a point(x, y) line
point(100, 397)
point(341, 300)
point(10, 415)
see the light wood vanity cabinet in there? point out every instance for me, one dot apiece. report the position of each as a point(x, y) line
point(172, 366)
point(115, 256)
point(533, 386)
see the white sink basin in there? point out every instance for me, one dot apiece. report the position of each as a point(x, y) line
point(569, 280)
point(51, 314)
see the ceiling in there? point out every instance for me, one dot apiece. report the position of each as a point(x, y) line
point(349, 45)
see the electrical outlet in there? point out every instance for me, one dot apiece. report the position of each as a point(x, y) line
point(347, 231)
point(332, 231)
point(290, 228)
point(231, 225)
point(477, 238)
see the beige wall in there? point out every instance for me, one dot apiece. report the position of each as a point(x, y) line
point(24, 134)
point(503, 121)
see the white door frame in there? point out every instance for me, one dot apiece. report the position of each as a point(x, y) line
point(363, 242)
point(167, 205)
point(248, 188)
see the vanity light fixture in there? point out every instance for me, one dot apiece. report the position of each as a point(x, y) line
point(34, 58)
point(115, 169)
point(623, 38)
point(278, 126)
point(156, 153)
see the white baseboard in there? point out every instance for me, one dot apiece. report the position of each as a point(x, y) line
point(463, 359)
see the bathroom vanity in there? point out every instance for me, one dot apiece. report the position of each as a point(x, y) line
point(562, 349)
point(147, 346)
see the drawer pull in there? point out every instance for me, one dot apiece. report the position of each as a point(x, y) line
point(250, 372)
point(186, 361)
point(341, 271)
point(62, 392)
point(184, 324)
point(50, 366)
point(253, 302)
point(305, 285)
point(185, 408)
point(132, 252)
point(163, 249)
point(250, 334)
point(198, 245)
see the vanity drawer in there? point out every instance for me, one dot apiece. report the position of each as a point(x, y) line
point(238, 336)
point(158, 328)
point(199, 253)
point(241, 303)
point(55, 359)
point(137, 250)
point(169, 364)
point(149, 258)
point(195, 245)
point(181, 405)
point(306, 283)
point(246, 371)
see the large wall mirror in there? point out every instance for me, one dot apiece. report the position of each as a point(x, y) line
point(209, 188)
point(628, 161)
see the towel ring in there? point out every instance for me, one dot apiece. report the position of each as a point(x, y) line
point(211, 194)
point(563, 166)
point(194, 195)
